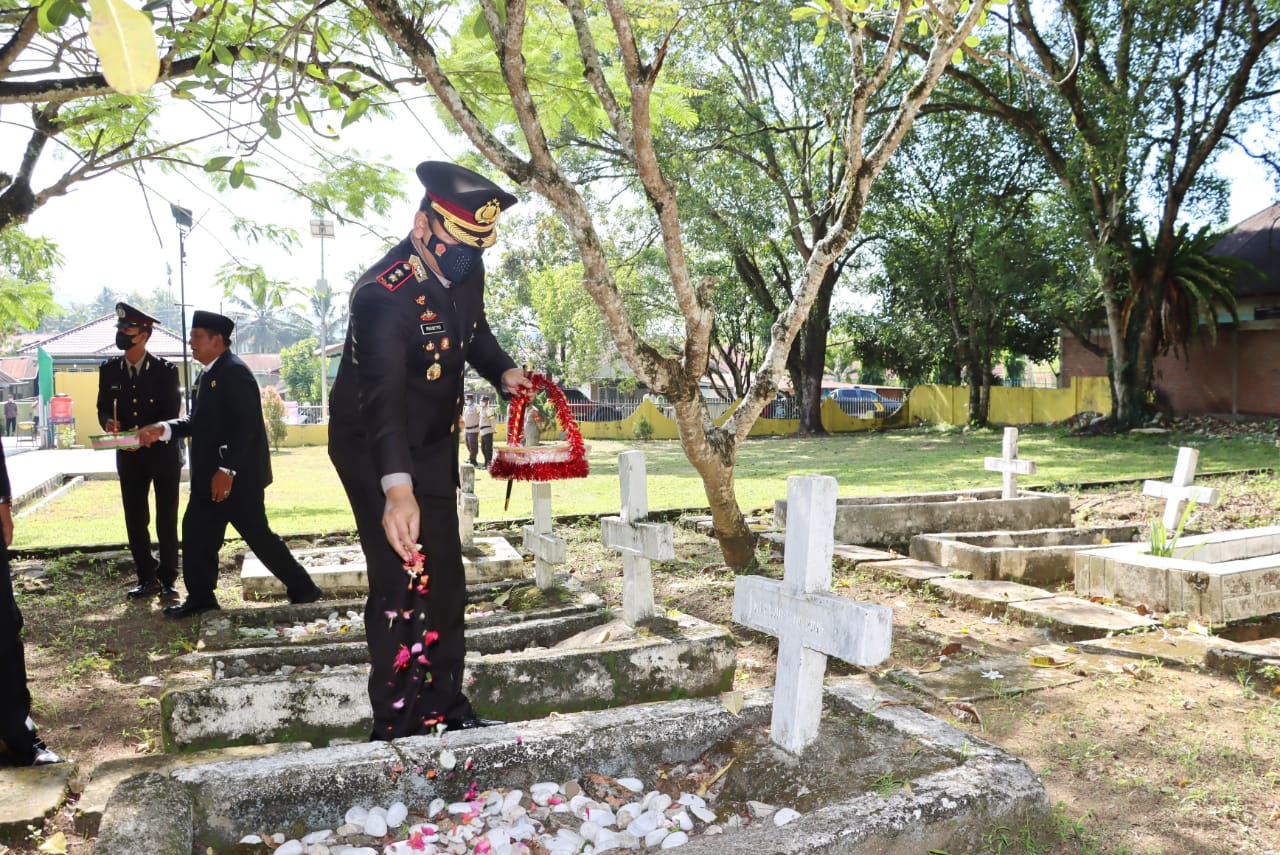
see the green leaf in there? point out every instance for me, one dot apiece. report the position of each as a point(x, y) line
point(804, 12)
point(355, 111)
point(214, 164)
point(183, 94)
point(315, 71)
point(957, 57)
point(246, 54)
point(223, 53)
point(922, 27)
point(237, 174)
point(972, 41)
point(304, 115)
point(126, 46)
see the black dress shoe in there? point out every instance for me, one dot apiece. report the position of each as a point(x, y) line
point(310, 597)
point(44, 755)
point(190, 609)
point(471, 722)
point(168, 592)
point(144, 589)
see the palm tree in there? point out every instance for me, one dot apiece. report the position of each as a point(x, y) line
point(325, 310)
point(264, 321)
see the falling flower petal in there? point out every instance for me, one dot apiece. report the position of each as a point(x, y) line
point(398, 705)
point(416, 649)
point(402, 658)
point(430, 637)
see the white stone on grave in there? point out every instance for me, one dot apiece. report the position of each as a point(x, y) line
point(1009, 464)
point(547, 548)
point(1181, 490)
point(809, 622)
point(468, 505)
point(639, 541)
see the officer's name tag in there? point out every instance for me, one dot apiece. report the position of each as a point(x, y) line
point(433, 329)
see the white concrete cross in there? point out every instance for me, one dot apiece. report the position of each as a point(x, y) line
point(1009, 464)
point(1181, 489)
point(639, 542)
point(809, 622)
point(548, 549)
point(468, 505)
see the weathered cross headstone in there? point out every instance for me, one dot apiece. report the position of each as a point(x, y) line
point(1009, 464)
point(1177, 493)
point(548, 549)
point(639, 541)
point(468, 505)
point(810, 623)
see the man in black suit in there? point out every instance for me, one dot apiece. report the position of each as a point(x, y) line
point(19, 743)
point(417, 318)
point(230, 470)
point(139, 389)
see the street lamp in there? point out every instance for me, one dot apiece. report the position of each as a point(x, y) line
point(182, 216)
point(323, 229)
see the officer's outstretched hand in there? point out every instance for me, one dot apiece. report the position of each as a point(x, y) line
point(400, 520)
point(516, 382)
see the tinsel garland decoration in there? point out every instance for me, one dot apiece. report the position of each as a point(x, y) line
point(515, 462)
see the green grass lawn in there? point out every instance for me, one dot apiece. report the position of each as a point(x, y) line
point(307, 498)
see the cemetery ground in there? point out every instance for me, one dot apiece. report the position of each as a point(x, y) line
point(1137, 757)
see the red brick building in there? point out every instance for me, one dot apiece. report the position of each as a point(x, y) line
point(1240, 372)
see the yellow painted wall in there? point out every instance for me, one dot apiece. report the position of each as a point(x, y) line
point(1013, 405)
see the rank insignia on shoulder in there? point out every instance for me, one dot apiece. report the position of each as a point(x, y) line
point(434, 371)
point(395, 275)
point(419, 269)
point(421, 299)
point(428, 315)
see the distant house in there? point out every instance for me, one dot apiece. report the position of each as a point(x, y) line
point(1239, 373)
point(85, 347)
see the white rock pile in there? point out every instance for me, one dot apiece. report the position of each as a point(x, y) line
point(334, 624)
point(618, 817)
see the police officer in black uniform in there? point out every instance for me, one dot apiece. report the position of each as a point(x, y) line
point(417, 318)
point(19, 743)
point(138, 389)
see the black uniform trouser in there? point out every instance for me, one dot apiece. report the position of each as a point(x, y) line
point(161, 466)
point(486, 448)
point(403, 700)
point(15, 698)
point(10, 425)
point(204, 527)
point(473, 445)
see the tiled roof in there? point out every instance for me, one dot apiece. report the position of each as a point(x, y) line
point(96, 340)
point(261, 363)
point(20, 368)
point(1257, 241)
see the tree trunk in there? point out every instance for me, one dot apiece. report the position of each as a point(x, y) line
point(812, 358)
point(711, 451)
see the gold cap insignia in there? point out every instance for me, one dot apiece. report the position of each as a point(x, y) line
point(488, 212)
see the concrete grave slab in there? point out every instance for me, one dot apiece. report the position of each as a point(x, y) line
point(1221, 577)
point(1175, 646)
point(340, 571)
point(894, 520)
point(989, 677)
point(107, 776)
point(1038, 557)
point(960, 786)
point(672, 657)
point(1259, 658)
point(494, 632)
point(29, 794)
point(987, 596)
point(912, 571)
point(1070, 618)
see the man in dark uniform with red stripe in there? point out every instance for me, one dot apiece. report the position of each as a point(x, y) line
point(417, 318)
point(136, 389)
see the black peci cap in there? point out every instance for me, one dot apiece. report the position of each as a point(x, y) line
point(213, 322)
point(466, 201)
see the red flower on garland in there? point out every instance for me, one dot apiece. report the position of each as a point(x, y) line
point(513, 468)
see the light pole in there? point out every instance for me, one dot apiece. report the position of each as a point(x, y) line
point(182, 216)
point(323, 229)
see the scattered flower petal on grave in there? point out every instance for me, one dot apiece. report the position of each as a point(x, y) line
point(447, 759)
point(992, 675)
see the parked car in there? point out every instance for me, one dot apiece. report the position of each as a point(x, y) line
point(864, 403)
point(781, 407)
point(586, 410)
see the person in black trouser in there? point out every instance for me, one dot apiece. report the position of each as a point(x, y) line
point(230, 470)
point(19, 743)
point(417, 319)
point(139, 389)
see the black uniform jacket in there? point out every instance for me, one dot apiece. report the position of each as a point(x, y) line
point(225, 425)
point(151, 397)
point(398, 392)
